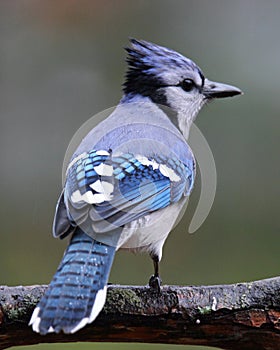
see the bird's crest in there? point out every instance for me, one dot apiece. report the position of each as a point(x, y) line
point(151, 65)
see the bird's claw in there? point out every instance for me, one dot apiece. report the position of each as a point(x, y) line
point(155, 283)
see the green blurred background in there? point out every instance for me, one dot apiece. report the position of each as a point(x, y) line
point(63, 61)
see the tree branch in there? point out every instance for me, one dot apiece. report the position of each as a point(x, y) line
point(237, 316)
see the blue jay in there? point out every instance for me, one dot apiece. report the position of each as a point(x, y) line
point(126, 183)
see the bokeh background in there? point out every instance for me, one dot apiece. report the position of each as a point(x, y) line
point(63, 61)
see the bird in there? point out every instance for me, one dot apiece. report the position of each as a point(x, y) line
point(126, 182)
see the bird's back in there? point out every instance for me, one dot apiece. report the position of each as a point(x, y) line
point(147, 166)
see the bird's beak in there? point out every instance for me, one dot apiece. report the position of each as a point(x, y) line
point(212, 89)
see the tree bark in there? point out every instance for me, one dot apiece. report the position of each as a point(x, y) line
point(237, 316)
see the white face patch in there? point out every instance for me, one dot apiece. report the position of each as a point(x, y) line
point(186, 104)
point(168, 172)
point(104, 169)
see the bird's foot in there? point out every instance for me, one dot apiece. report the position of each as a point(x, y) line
point(155, 283)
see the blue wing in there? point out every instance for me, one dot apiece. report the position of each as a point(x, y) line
point(108, 189)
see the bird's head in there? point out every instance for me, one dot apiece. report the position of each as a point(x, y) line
point(168, 78)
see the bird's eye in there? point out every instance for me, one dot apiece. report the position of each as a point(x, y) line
point(187, 84)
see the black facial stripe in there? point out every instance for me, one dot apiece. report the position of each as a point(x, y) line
point(202, 78)
point(152, 86)
point(144, 84)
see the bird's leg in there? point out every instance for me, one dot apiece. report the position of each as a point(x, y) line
point(155, 280)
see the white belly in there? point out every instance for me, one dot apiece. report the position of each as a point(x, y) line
point(149, 232)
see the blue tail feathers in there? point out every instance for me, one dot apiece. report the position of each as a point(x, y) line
point(77, 292)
